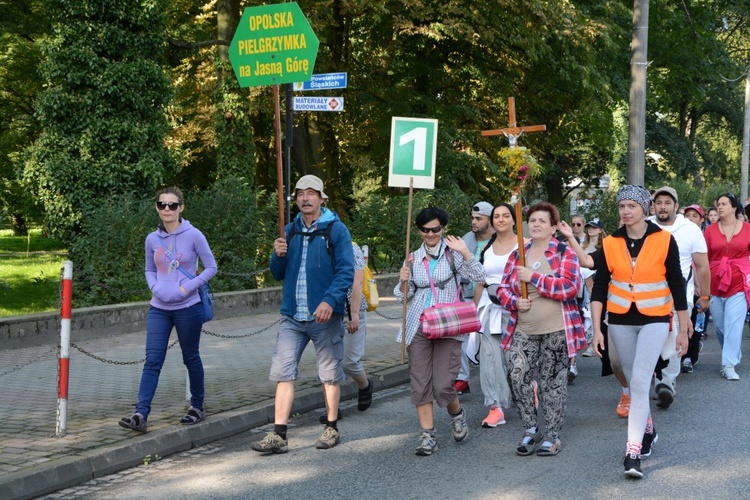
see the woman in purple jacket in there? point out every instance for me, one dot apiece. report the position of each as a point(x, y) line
point(174, 247)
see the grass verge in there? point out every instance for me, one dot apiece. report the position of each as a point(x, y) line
point(29, 285)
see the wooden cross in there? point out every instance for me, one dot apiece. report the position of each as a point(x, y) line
point(513, 132)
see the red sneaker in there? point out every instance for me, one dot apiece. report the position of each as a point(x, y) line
point(462, 387)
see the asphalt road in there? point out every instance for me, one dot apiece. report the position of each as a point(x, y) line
point(701, 452)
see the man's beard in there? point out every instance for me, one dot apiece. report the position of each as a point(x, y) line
point(663, 217)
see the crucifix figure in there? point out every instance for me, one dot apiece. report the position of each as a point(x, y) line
point(513, 132)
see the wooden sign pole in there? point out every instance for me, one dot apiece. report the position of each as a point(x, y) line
point(279, 171)
point(405, 286)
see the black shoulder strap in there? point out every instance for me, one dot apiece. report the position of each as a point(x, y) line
point(325, 233)
point(561, 247)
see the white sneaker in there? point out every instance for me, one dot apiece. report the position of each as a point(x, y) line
point(729, 373)
point(589, 352)
point(572, 373)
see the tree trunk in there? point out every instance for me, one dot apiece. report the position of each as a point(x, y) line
point(227, 17)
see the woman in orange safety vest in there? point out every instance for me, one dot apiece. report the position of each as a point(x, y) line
point(640, 280)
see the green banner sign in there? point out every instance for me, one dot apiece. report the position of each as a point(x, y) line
point(273, 44)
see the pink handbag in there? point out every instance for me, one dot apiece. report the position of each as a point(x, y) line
point(451, 319)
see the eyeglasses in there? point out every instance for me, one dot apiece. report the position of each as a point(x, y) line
point(162, 205)
point(428, 230)
point(578, 224)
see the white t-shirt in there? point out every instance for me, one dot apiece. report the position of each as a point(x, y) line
point(491, 315)
point(689, 240)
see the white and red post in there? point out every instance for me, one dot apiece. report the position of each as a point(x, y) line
point(64, 368)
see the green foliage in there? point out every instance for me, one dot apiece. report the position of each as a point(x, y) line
point(239, 224)
point(381, 223)
point(31, 284)
point(102, 112)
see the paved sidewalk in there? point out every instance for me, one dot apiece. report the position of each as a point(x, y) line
point(239, 396)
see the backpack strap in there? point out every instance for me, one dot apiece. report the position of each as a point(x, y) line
point(439, 284)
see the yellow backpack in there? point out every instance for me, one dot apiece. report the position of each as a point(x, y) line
point(369, 287)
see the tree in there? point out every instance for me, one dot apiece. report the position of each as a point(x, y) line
point(22, 28)
point(102, 113)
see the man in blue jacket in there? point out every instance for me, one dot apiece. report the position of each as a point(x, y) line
point(316, 263)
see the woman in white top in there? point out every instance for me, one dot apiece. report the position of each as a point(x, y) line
point(493, 372)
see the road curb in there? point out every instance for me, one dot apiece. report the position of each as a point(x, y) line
point(70, 471)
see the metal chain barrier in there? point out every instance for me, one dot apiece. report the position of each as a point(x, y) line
point(38, 358)
point(223, 336)
point(113, 362)
point(174, 342)
point(384, 316)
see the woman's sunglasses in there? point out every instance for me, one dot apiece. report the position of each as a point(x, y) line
point(162, 205)
point(434, 230)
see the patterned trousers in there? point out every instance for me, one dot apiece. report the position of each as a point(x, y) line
point(547, 354)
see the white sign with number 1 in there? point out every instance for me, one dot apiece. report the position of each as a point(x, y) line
point(413, 152)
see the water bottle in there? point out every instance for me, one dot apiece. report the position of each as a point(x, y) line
point(700, 321)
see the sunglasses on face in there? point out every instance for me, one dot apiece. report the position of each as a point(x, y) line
point(577, 224)
point(428, 230)
point(162, 205)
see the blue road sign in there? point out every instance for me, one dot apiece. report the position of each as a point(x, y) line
point(323, 81)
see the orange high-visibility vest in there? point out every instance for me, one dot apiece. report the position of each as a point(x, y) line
point(643, 282)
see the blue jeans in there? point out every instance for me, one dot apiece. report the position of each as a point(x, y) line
point(729, 320)
point(188, 322)
point(293, 337)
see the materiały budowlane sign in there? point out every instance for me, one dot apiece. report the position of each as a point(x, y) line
point(273, 44)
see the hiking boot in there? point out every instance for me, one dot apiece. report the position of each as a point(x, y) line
point(324, 417)
point(193, 416)
point(328, 439)
point(427, 444)
point(687, 366)
point(633, 466)
point(460, 427)
point(648, 442)
point(623, 407)
point(136, 423)
point(364, 400)
point(665, 396)
point(462, 387)
point(494, 418)
point(271, 443)
point(729, 373)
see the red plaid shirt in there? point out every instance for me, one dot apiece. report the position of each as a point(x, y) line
point(562, 286)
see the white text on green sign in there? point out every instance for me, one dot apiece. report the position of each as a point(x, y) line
point(273, 44)
point(413, 152)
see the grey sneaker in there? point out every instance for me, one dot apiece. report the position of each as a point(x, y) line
point(460, 427)
point(328, 439)
point(427, 444)
point(729, 373)
point(137, 423)
point(271, 443)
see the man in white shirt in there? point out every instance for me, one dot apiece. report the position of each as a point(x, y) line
point(693, 254)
